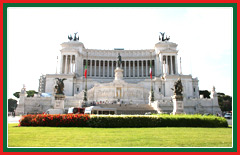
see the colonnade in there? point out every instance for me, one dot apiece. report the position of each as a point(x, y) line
point(170, 64)
point(68, 64)
point(131, 68)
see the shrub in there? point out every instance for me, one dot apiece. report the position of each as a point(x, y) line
point(157, 121)
point(80, 120)
point(68, 120)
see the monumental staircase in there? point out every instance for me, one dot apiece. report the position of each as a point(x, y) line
point(130, 109)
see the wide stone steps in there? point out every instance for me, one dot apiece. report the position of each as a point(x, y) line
point(131, 109)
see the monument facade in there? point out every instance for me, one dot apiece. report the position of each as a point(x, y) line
point(123, 76)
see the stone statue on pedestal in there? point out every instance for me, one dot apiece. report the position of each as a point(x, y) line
point(177, 98)
point(119, 60)
point(60, 86)
point(178, 87)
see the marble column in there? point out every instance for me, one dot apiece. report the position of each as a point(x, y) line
point(62, 64)
point(142, 69)
point(134, 68)
point(103, 68)
point(176, 65)
point(108, 68)
point(171, 57)
point(167, 65)
point(146, 68)
point(95, 68)
point(137, 68)
point(156, 65)
point(65, 71)
point(125, 71)
point(99, 68)
point(112, 69)
point(129, 67)
point(90, 70)
point(70, 64)
point(75, 63)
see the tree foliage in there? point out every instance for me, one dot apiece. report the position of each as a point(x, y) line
point(30, 93)
point(225, 102)
point(12, 105)
point(16, 94)
point(205, 93)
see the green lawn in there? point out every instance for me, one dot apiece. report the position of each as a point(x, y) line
point(118, 137)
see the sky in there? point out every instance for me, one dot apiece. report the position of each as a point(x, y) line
point(204, 38)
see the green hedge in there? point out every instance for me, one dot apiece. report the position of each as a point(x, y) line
point(80, 120)
point(157, 121)
point(66, 120)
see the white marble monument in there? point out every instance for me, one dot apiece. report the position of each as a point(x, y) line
point(129, 83)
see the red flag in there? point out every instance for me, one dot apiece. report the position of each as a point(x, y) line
point(151, 70)
point(85, 70)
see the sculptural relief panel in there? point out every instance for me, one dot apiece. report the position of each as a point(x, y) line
point(105, 93)
point(134, 93)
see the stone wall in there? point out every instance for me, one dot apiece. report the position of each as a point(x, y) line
point(191, 106)
point(29, 105)
point(34, 105)
point(202, 106)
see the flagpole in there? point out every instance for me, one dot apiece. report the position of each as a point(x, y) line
point(57, 65)
point(85, 92)
point(152, 93)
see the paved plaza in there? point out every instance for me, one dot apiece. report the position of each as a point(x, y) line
point(12, 119)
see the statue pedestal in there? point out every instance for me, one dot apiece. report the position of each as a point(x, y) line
point(151, 94)
point(118, 74)
point(58, 102)
point(178, 104)
point(21, 106)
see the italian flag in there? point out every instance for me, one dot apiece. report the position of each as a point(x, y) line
point(85, 71)
point(151, 70)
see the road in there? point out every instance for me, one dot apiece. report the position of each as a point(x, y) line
point(229, 121)
point(13, 119)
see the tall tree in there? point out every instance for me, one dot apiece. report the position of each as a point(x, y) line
point(12, 105)
point(30, 93)
point(205, 93)
point(16, 94)
point(225, 102)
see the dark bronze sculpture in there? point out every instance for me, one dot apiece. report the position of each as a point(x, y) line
point(70, 37)
point(167, 38)
point(178, 87)
point(60, 86)
point(75, 37)
point(163, 39)
point(119, 60)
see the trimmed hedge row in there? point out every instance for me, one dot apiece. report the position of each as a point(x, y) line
point(80, 120)
point(68, 120)
point(157, 121)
